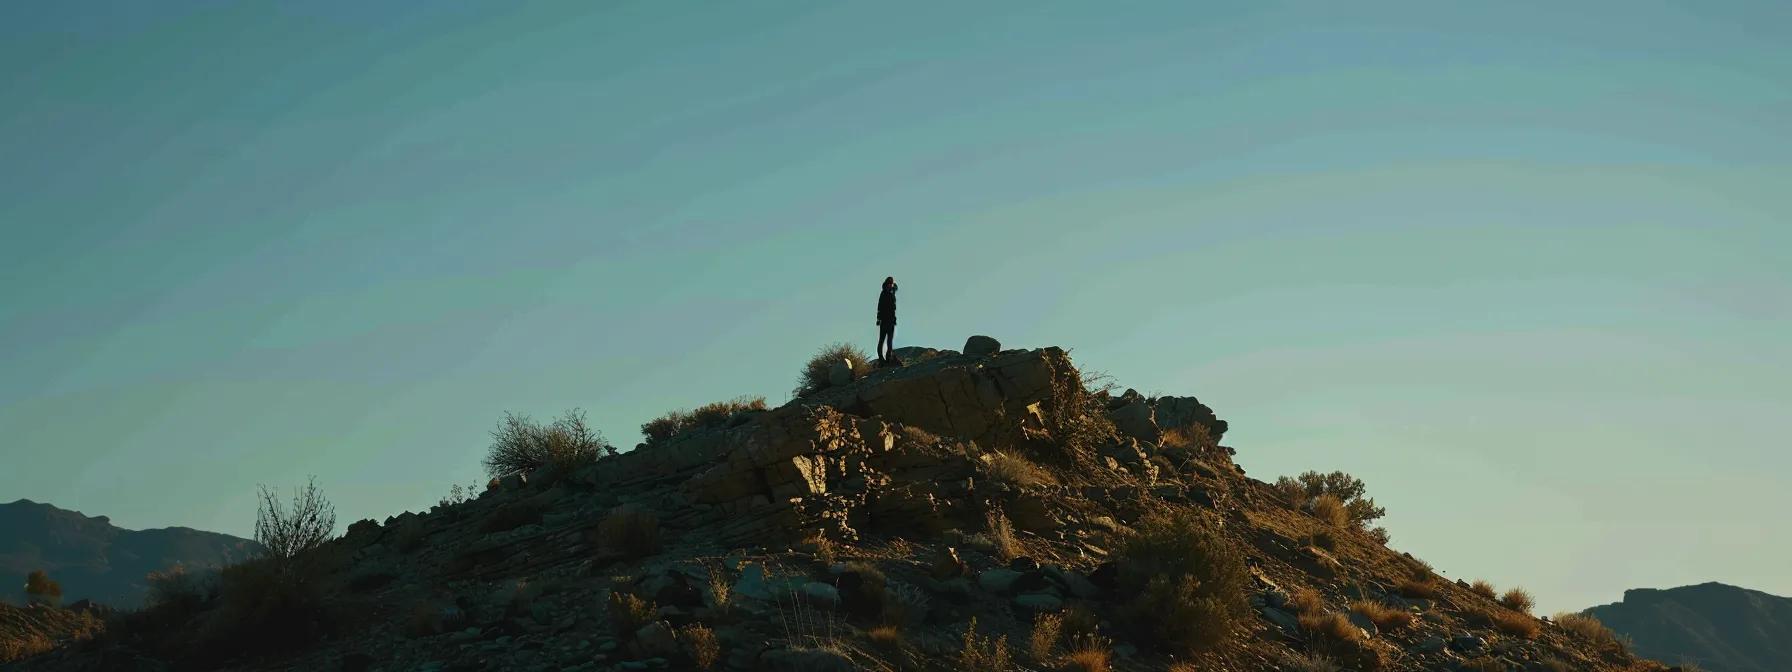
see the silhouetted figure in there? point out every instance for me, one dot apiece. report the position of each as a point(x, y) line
point(886, 320)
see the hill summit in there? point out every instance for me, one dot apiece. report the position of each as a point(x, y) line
point(98, 561)
point(976, 510)
point(1719, 627)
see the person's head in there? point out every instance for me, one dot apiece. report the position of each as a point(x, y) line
point(889, 282)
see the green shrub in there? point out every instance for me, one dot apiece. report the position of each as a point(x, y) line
point(814, 376)
point(521, 444)
point(1186, 583)
point(1346, 488)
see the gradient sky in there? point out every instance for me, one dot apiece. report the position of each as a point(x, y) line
point(1526, 269)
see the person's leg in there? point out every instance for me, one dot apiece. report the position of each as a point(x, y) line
point(886, 341)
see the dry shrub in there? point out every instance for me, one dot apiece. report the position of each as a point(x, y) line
point(1075, 417)
point(177, 591)
point(1088, 655)
point(1186, 583)
point(1330, 510)
point(1484, 589)
point(268, 606)
point(1079, 622)
point(1046, 628)
point(1483, 665)
point(1306, 601)
point(286, 531)
point(1510, 622)
point(631, 531)
point(1192, 437)
point(904, 603)
point(1330, 625)
point(1379, 534)
point(1383, 616)
point(814, 376)
point(1423, 588)
point(629, 613)
point(721, 590)
point(1182, 667)
point(701, 644)
point(522, 444)
point(713, 414)
point(1519, 600)
point(982, 654)
point(1290, 491)
point(1589, 628)
point(1015, 470)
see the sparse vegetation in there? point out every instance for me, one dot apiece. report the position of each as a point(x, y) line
point(1191, 437)
point(1509, 622)
point(1424, 588)
point(1185, 583)
point(24, 646)
point(714, 414)
point(982, 654)
point(287, 531)
point(887, 636)
point(720, 589)
point(1306, 601)
point(1015, 470)
point(1483, 665)
point(1001, 535)
point(814, 376)
point(1519, 600)
point(1307, 662)
point(177, 591)
point(1484, 589)
point(1329, 510)
point(520, 444)
point(41, 589)
point(630, 531)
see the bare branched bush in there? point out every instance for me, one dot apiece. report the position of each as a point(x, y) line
point(814, 376)
point(286, 532)
point(1186, 583)
point(522, 444)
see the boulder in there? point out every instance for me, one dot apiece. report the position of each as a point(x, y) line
point(947, 565)
point(1039, 602)
point(840, 373)
point(806, 660)
point(656, 638)
point(1135, 419)
point(1173, 412)
point(1284, 620)
point(998, 580)
point(980, 346)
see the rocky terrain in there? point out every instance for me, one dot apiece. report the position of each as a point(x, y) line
point(95, 560)
point(1720, 628)
point(981, 510)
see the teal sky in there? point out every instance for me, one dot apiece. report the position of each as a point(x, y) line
point(1523, 267)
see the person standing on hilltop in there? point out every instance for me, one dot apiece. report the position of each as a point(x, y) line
point(886, 321)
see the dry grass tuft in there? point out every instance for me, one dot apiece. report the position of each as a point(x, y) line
point(1512, 623)
point(701, 644)
point(1383, 616)
point(24, 646)
point(1519, 600)
point(1589, 628)
point(1331, 626)
point(1306, 662)
point(1418, 588)
point(981, 654)
point(1306, 601)
point(1330, 510)
point(1484, 589)
point(1088, 655)
point(1015, 470)
point(631, 531)
point(1001, 534)
point(1044, 639)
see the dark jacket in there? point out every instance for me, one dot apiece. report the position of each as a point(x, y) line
point(886, 306)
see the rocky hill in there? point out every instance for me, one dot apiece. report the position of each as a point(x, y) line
point(94, 560)
point(970, 511)
point(1720, 628)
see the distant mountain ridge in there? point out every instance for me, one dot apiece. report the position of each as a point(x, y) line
point(93, 559)
point(1721, 628)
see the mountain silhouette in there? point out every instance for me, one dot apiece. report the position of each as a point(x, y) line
point(95, 560)
point(1719, 627)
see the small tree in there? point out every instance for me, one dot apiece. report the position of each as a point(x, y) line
point(522, 444)
point(1348, 489)
point(41, 589)
point(286, 531)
